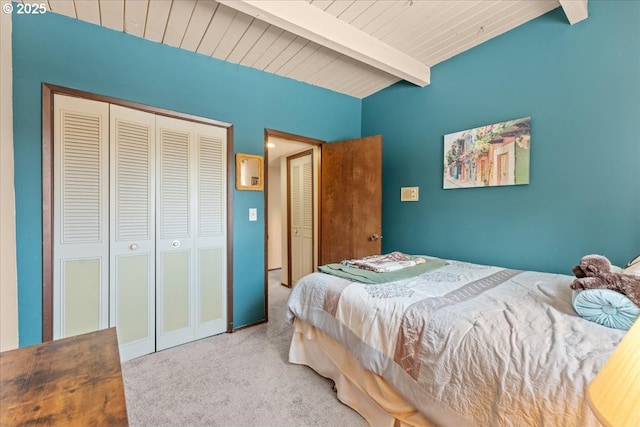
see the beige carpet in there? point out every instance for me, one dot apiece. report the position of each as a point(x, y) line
point(238, 379)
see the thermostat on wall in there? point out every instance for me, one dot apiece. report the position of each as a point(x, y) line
point(409, 194)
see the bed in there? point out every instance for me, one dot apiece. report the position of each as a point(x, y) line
point(460, 345)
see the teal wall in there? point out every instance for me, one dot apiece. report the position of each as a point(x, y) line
point(581, 86)
point(66, 52)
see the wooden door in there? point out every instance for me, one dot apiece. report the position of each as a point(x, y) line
point(300, 209)
point(351, 199)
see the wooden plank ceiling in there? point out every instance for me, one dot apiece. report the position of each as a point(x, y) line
point(352, 47)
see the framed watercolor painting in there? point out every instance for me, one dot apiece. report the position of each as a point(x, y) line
point(488, 156)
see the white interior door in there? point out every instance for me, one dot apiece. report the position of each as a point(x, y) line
point(175, 235)
point(210, 243)
point(140, 204)
point(132, 230)
point(301, 214)
point(81, 222)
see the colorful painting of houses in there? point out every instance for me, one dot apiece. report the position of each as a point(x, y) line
point(488, 156)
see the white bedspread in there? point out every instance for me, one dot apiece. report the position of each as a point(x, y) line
point(468, 344)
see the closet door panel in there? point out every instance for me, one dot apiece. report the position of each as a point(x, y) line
point(212, 290)
point(174, 237)
point(176, 268)
point(132, 302)
point(211, 223)
point(132, 229)
point(82, 284)
point(80, 213)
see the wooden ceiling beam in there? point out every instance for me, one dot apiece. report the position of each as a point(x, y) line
point(312, 23)
point(576, 10)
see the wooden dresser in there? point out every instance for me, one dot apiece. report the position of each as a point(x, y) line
point(73, 381)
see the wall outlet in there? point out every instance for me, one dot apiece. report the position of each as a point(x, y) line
point(409, 194)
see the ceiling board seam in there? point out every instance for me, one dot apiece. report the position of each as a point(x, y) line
point(292, 56)
point(342, 11)
point(166, 22)
point(304, 60)
point(362, 13)
point(381, 12)
point(184, 33)
point(240, 38)
point(226, 30)
point(490, 34)
point(459, 23)
point(204, 33)
point(124, 13)
point(430, 42)
point(323, 67)
point(434, 17)
point(389, 17)
point(411, 20)
point(256, 42)
point(288, 44)
point(146, 18)
point(281, 31)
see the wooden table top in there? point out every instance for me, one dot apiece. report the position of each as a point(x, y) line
point(75, 381)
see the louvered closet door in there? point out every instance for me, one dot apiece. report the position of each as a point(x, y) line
point(210, 230)
point(81, 233)
point(132, 230)
point(190, 238)
point(175, 196)
point(301, 209)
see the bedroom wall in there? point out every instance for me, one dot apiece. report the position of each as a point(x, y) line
point(581, 88)
point(59, 50)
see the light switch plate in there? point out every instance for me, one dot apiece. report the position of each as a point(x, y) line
point(253, 214)
point(409, 194)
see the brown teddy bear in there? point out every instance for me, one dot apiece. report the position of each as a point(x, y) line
point(594, 272)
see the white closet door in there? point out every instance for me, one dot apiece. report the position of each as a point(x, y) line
point(210, 230)
point(81, 208)
point(132, 230)
point(176, 197)
point(301, 208)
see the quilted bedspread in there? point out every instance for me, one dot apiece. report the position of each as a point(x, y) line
point(467, 344)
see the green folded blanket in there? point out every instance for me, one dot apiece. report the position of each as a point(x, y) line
point(367, 276)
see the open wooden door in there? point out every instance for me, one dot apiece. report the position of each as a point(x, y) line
point(351, 199)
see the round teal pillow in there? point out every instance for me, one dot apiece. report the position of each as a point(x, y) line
point(606, 307)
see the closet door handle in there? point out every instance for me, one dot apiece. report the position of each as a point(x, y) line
point(133, 246)
point(175, 243)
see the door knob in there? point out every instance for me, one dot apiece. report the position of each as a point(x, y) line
point(133, 246)
point(374, 237)
point(175, 243)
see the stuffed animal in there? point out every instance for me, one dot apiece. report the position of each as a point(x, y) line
point(594, 272)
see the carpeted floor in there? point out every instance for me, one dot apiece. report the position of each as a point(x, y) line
point(238, 379)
